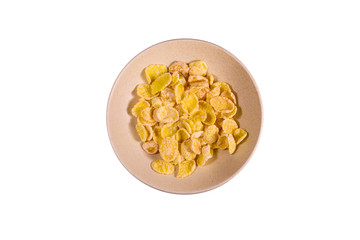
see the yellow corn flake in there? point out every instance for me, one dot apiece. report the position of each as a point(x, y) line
point(198, 116)
point(137, 109)
point(178, 159)
point(196, 78)
point(190, 103)
point(195, 145)
point(230, 114)
point(206, 154)
point(144, 91)
point(232, 143)
point(185, 150)
point(156, 102)
point(168, 149)
point(210, 114)
point(199, 84)
point(146, 117)
point(230, 95)
point(142, 132)
point(189, 125)
point(168, 130)
point(211, 134)
point(168, 103)
point(198, 68)
point(223, 86)
point(150, 131)
point(201, 160)
point(150, 147)
point(213, 93)
point(165, 114)
point(179, 92)
point(229, 125)
point(168, 94)
point(197, 134)
point(222, 104)
point(239, 135)
point(210, 78)
point(175, 79)
point(182, 135)
point(162, 167)
point(180, 67)
point(160, 83)
point(157, 134)
point(201, 94)
point(153, 71)
point(222, 142)
point(182, 80)
point(198, 126)
point(181, 111)
point(186, 168)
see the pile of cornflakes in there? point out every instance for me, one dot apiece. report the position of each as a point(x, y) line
point(185, 114)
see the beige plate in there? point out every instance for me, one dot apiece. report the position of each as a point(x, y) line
point(121, 124)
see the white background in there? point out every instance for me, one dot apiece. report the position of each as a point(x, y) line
point(60, 179)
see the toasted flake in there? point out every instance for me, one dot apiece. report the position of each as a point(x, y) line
point(168, 130)
point(239, 135)
point(223, 86)
point(198, 126)
point(157, 134)
point(213, 93)
point(232, 143)
point(222, 142)
point(198, 68)
point(165, 114)
point(150, 131)
point(206, 154)
point(160, 83)
point(178, 159)
point(137, 109)
point(198, 116)
point(156, 102)
point(185, 150)
point(199, 84)
point(189, 125)
point(230, 114)
point(230, 95)
point(162, 167)
point(179, 92)
point(197, 78)
point(168, 94)
point(211, 134)
point(222, 104)
point(210, 78)
point(229, 125)
point(153, 71)
point(210, 114)
point(195, 145)
point(142, 132)
point(190, 103)
point(182, 135)
point(197, 134)
point(186, 168)
point(144, 91)
point(181, 67)
point(150, 147)
point(146, 117)
point(168, 149)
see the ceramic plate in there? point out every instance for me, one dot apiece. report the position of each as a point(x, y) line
point(121, 124)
